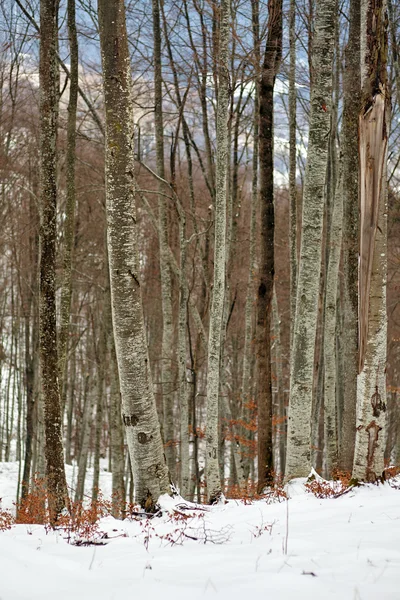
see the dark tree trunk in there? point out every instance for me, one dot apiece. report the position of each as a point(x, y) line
point(48, 77)
point(349, 147)
point(272, 58)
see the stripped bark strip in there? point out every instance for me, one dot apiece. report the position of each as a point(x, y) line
point(374, 123)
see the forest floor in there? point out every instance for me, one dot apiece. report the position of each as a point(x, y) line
point(304, 548)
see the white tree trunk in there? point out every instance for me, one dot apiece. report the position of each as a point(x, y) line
point(218, 295)
point(298, 461)
point(140, 419)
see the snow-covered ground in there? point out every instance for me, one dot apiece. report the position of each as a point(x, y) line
point(346, 548)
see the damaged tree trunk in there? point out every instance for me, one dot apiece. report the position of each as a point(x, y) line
point(373, 140)
point(140, 419)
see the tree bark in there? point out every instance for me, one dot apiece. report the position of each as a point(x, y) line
point(48, 77)
point(218, 295)
point(373, 141)
point(298, 461)
point(69, 226)
point(272, 58)
point(332, 277)
point(247, 387)
point(138, 403)
point(292, 165)
point(349, 306)
point(167, 344)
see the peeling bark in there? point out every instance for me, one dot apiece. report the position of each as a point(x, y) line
point(374, 120)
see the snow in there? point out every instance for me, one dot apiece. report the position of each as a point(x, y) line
point(304, 548)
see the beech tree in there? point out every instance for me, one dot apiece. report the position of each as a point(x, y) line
point(139, 412)
point(218, 294)
point(349, 301)
point(49, 78)
point(269, 70)
point(298, 460)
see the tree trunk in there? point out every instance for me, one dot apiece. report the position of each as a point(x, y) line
point(298, 461)
point(292, 166)
point(48, 77)
point(280, 439)
point(349, 306)
point(167, 345)
point(247, 387)
point(90, 398)
point(373, 140)
point(69, 226)
point(31, 344)
point(332, 276)
point(138, 403)
point(272, 58)
point(218, 295)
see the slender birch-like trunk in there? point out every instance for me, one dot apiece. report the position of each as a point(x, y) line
point(117, 436)
point(100, 354)
point(280, 404)
point(183, 384)
point(167, 345)
point(90, 399)
point(218, 294)
point(138, 403)
point(48, 77)
point(332, 277)
point(249, 308)
point(270, 67)
point(70, 409)
point(69, 226)
point(31, 344)
point(298, 461)
point(373, 141)
point(349, 305)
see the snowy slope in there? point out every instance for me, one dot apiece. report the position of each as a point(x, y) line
point(347, 548)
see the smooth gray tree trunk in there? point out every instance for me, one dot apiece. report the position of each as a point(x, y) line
point(138, 403)
point(167, 344)
point(218, 295)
